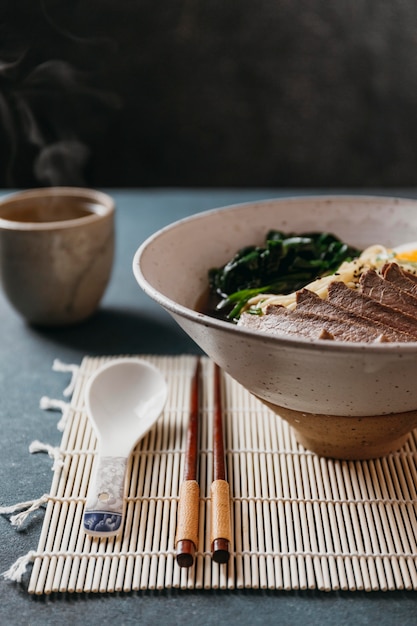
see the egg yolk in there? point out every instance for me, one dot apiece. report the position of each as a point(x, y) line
point(407, 255)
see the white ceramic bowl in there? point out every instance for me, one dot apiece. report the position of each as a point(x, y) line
point(301, 375)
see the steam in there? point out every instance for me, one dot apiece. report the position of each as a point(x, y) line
point(51, 111)
point(62, 163)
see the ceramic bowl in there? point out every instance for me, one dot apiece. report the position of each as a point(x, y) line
point(324, 388)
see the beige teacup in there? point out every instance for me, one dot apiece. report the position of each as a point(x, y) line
point(56, 252)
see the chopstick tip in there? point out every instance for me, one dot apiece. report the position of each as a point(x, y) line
point(220, 549)
point(185, 553)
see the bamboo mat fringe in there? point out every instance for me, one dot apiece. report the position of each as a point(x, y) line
point(299, 521)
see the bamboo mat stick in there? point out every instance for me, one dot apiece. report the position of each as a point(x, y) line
point(189, 498)
point(79, 537)
point(231, 573)
point(273, 470)
point(391, 519)
point(132, 561)
point(330, 514)
point(57, 521)
point(202, 562)
point(220, 498)
point(363, 478)
point(64, 529)
point(275, 580)
point(249, 487)
point(142, 564)
point(130, 509)
point(316, 528)
point(171, 571)
point(38, 573)
point(153, 542)
point(168, 486)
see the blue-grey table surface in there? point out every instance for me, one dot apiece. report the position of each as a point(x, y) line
point(129, 322)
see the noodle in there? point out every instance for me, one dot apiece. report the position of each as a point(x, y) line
point(373, 257)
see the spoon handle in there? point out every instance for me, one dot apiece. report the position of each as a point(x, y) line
point(103, 512)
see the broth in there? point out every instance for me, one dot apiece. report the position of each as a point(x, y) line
point(207, 303)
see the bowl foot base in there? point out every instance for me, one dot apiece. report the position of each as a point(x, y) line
point(361, 452)
point(350, 438)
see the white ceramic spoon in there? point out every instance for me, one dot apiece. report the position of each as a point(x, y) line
point(124, 398)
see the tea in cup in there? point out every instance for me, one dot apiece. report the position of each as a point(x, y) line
point(56, 252)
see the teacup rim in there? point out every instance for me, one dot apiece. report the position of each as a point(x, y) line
point(100, 198)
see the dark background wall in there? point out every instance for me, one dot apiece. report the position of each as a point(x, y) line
point(202, 93)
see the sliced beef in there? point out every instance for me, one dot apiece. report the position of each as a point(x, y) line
point(388, 293)
point(382, 309)
point(308, 324)
point(380, 314)
point(404, 280)
point(308, 301)
point(410, 275)
point(280, 321)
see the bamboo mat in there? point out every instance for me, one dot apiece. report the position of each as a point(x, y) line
point(299, 521)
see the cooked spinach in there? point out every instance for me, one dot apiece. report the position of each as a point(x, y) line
point(285, 263)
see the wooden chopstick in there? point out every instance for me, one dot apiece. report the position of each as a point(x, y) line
point(186, 541)
point(220, 498)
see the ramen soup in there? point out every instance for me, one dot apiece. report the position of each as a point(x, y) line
point(369, 297)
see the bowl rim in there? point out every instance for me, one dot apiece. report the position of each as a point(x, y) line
point(299, 343)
